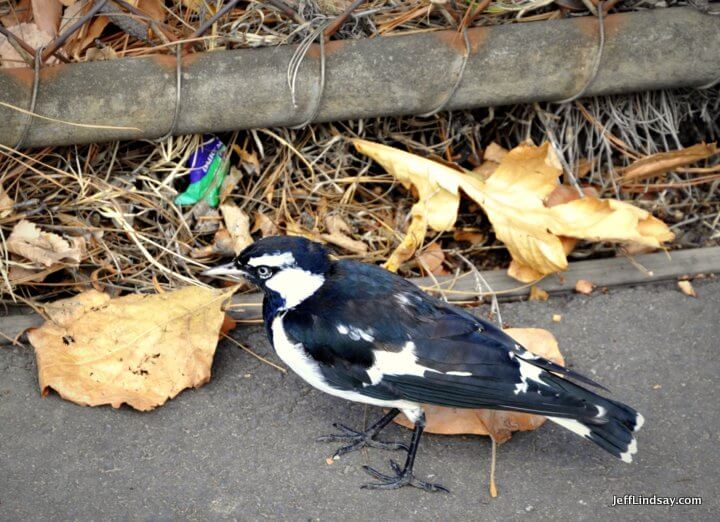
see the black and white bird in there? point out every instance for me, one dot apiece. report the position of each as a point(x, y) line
point(360, 332)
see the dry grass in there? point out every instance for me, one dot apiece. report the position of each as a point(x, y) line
point(119, 195)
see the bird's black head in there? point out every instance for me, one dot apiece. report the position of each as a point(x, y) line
point(287, 268)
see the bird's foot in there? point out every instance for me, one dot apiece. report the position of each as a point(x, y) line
point(358, 440)
point(403, 477)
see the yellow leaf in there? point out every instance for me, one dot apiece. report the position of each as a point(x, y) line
point(686, 288)
point(139, 349)
point(498, 424)
point(658, 164)
point(410, 243)
point(494, 152)
point(538, 294)
point(437, 185)
point(515, 198)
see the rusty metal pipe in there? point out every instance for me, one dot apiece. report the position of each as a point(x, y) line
point(408, 74)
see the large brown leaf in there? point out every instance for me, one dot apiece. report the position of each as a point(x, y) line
point(140, 350)
point(498, 424)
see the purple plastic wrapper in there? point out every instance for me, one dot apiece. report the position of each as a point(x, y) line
point(201, 159)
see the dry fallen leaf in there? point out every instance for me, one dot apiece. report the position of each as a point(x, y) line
point(585, 287)
point(154, 8)
point(31, 34)
point(498, 424)
point(338, 235)
point(471, 236)
point(495, 152)
point(19, 275)
point(91, 30)
point(538, 294)
point(686, 288)
point(139, 349)
point(265, 225)
point(45, 248)
point(6, 203)
point(658, 164)
point(46, 14)
point(431, 260)
point(565, 194)
point(237, 224)
point(227, 326)
point(514, 199)
point(103, 54)
point(485, 170)
point(414, 238)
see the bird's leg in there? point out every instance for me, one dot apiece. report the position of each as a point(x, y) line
point(404, 476)
point(361, 439)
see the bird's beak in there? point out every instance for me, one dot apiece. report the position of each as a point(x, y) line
point(228, 269)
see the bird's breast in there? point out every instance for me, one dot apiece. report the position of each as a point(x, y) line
point(294, 355)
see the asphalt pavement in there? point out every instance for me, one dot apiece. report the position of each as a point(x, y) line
point(242, 447)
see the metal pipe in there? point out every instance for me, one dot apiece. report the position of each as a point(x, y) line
point(408, 74)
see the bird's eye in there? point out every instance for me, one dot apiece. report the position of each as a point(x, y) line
point(264, 272)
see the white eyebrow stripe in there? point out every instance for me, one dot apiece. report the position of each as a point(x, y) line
point(275, 260)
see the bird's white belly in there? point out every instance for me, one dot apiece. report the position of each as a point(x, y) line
point(294, 355)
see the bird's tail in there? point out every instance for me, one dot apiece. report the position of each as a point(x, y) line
point(612, 429)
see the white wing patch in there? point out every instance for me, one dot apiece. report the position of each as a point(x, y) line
point(356, 333)
point(273, 260)
point(528, 372)
point(402, 299)
point(403, 362)
point(576, 427)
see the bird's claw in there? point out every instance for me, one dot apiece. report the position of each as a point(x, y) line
point(358, 440)
point(401, 478)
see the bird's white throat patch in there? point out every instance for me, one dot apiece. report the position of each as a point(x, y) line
point(294, 285)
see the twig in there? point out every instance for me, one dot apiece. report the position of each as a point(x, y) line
point(493, 460)
point(207, 24)
point(337, 23)
point(287, 10)
point(258, 357)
